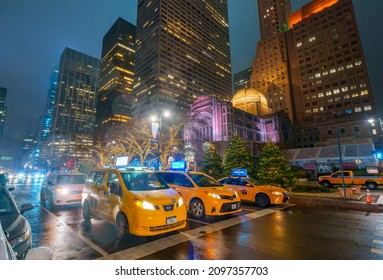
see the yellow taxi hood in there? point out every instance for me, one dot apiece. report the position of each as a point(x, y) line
point(156, 197)
point(222, 190)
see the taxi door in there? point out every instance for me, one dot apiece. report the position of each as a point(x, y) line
point(108, 200)
point(181, 184)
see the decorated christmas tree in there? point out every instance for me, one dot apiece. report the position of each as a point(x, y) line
point(238, 156)
point(211, 162)
point(274, 168)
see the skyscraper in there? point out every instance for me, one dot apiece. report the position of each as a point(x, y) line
point(115, 93)
point(182, 52)
point(3, 110)
point(314, 69)
point(270, 73)
point(45, 123)
point(332, 93)
point(75, 106)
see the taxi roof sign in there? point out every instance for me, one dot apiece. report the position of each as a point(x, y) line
point(178, 165)
point(239, 172)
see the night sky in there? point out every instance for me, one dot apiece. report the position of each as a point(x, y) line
point(35, 32)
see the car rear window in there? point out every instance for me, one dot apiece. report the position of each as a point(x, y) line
point(70, 179)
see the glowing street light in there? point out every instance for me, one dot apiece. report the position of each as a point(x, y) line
point(156, 130)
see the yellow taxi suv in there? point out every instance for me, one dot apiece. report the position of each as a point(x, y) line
point(202, 194)
point(249, 191)
point(137, 202)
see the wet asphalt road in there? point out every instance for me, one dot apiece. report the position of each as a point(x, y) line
point(286, 232)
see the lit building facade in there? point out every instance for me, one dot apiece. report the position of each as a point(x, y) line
point(251, 101)
point(216, 121)
point(3, 110)
point(241, 79)
point(329, 76)
point(75, 107)
point(270, 73)
point(115, 91)
point(182, 52)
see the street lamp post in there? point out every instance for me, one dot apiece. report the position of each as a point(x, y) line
point(156, 131)
point(341, 163)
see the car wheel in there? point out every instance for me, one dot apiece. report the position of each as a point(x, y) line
point(371, 185)
point(42, 199)
point(326, 184)
point(197, 209)
point(122, 225)
point(262, 200)
point(86, 211)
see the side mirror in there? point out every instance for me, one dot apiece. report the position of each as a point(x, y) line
point(26, 207)
point(50, 183)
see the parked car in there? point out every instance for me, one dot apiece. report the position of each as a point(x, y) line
point(19, 233)
point(249, 191)
point(203, 195)
point(4, 181)
point(138, 202)
point(63, 189)
point(7, 253)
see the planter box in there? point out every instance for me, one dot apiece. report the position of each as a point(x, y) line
point(357, 189)
point(349, 192)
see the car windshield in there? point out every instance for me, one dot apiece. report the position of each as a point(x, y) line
point(70, 179)
point(143, 181)
point(203, 180)
point(7, 205)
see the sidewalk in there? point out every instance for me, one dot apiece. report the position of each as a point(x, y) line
point(334, 199)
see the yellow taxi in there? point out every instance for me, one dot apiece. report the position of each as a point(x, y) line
point(249, 191)
point(138, 202)
point(202, 194)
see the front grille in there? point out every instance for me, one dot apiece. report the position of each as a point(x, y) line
point(228, 197)
point(285, 197)
point(226, 207)
point(75, 192)
point(168, 207)
point(166, 227)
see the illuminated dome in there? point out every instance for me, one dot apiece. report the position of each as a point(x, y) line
point(252, 101)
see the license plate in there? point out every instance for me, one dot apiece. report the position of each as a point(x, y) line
point(171, 220)
point(233, 206)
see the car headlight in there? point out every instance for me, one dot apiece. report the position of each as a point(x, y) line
point(214, 195)
point(180, 202)
point(21, 238)
point(144, 204)
point(63, 191)
point(276, 193)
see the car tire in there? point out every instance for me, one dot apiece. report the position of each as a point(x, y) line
point(262, 200)
point(86, 211)
point(197, 209)
point(122, 225)
point(371, 185)
point(42, 199)
point(326, 184)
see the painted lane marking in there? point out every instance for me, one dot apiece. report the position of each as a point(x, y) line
point(164, 243)
point(86, 240)
point(377, 251)
point(377, 241)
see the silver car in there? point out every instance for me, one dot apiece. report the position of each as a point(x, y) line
point(63, 189)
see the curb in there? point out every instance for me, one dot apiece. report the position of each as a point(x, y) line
point(337, 203)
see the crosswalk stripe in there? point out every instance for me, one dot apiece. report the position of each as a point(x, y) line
point(378, 241)
point(377, 251)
